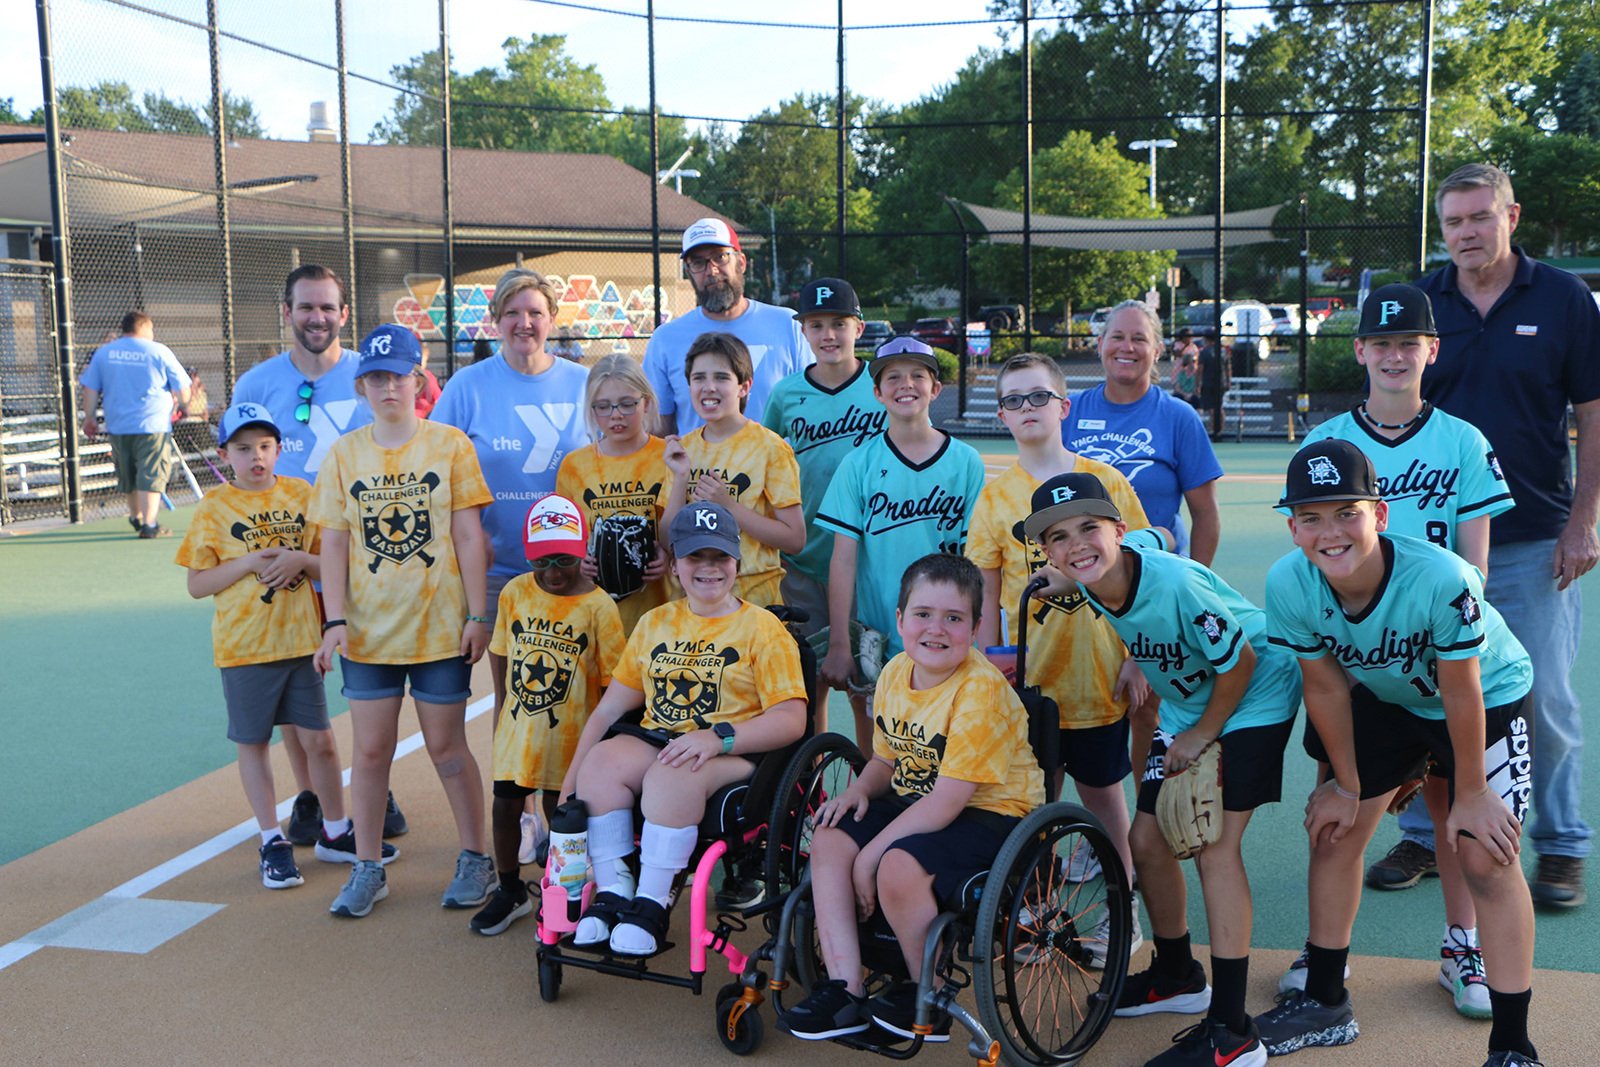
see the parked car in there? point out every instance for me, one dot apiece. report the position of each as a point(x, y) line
point(1097, 320)
point(874, 333)
point(1286, 320)
point(1320, 307)
point(937, 333)
point(1242, 320)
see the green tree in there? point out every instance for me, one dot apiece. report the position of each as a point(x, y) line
point(1578, 108)
point(1557, 181)
point(111, 105)
point(8, 111)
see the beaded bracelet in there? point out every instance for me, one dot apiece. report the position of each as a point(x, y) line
point(1342, 791)
point(478, 618)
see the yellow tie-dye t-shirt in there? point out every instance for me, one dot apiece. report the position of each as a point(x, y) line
point(255, 623)
point(760, 470)
point(696, 672)
point(1073, 653)
point(560, 652)
point(971, 726)
point(404, 600)
point(636, 484)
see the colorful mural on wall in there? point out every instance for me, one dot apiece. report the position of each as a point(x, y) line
point(588, 309)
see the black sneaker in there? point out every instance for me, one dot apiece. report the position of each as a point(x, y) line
point(500, 912)
point(277, 865)
point(1300, 1022)
point(394, 823)
point(305, 820)
point(1559, 883)
point(830, 1011)
point(147, 533)
point(1510, 1059)
point(1209, 1043)
point(896, 1012)
point(740, 893)
point(1148, 992)
point(1406, 864)
point(342, 849)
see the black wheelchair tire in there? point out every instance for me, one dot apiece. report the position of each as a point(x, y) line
point(782, 868)
point(747, 1033)
point(549, 980)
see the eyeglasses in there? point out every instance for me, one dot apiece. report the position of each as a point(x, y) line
point(627, 406)
point(1038, 398)
point(544, 563)
point(701, 264)
point(302, 411)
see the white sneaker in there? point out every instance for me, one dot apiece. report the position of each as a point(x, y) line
point(1082, 866)
point(1461, 972)
point(1295, 976)
point(534, 834)
point(1097, 942)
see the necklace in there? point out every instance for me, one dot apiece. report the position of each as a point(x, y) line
point(1412, 421)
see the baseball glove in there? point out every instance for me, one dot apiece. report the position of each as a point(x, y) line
point(621, 547)
point(1189, 806)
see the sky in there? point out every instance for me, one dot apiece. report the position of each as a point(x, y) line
point(702, 68)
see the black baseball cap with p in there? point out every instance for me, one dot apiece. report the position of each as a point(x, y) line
point(1396, 309)
point(1065, 496)
point(828, 296)
point(702, 524)
point(1329, 471)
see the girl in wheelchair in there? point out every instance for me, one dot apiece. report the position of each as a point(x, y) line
point(951, 775)
point(719, 680)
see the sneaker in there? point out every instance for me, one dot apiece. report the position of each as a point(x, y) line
point(1100, 939)
point(277, 865)
point(135, 523)
point(1461, 972)
point(830, 1011)
point(1300, 1022)
point(147, 533)
point(342, 849)
point(474, 878)
point(500, 912)
point(1295, 976)
point(305, 820)
point(1559, 883)
point(739, 893)
point(1510, 1059)
point(394, 823)
point(367, 886)
point(1083, 866)
point(1209, 1043)
point(535, 834)
point(896, 1012)
point(1149, 991)
point(1406, 864)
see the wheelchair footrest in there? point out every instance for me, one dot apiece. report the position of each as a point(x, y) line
point(603, 951)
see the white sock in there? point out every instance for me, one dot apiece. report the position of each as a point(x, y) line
point(267, 836)
point(334, 829)
point(610, 841)
point(663, 852)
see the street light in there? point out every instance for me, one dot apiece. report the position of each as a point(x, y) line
point(1165, 142)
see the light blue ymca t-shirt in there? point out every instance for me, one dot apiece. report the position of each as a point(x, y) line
point(777, 349)
point(336, 408)
point(135, 379)
point(522, 426)
point(899, 512)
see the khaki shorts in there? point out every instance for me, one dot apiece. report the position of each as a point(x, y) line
point(143, 461)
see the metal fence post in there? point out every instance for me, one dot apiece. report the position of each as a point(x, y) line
point(449, 219)
point(60, 249)
point(1027, 182)
point(1305, 291)
point(655, 170)
point(219, 137)
point(1424, 107)
point(1213, 383)
point(840, 147)
point(344, 174)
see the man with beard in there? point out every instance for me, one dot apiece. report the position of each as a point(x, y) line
point(716, 269)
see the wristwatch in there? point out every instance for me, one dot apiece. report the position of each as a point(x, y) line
point(724, 730)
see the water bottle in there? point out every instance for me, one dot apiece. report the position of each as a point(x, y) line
point(568, 861)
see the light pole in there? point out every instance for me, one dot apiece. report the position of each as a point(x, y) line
point(1165, 142)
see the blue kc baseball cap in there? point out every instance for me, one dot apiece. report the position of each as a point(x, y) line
point(245, 414)
point(390, 348)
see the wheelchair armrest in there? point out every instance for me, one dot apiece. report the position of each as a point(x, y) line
point(658, 738)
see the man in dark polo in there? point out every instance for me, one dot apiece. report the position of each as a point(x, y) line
point(1518, 341)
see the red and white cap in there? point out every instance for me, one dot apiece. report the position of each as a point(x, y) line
point(709, 232)
point(554, 528)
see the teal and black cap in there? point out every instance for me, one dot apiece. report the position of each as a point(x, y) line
point(1067, 495)
point(1396, 309)
point(828, 296)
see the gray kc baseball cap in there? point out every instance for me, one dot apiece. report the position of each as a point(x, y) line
point(702, 524)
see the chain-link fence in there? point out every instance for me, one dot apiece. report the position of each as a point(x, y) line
point(1076, 159)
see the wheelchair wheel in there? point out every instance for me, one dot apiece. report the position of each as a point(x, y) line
point(1037, 936)
point(747, 1032)
point(824, 767)
point(549, 980)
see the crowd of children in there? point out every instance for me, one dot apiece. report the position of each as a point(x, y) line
point(842, 499)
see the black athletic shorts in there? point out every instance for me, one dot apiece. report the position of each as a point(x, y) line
point(1395, 745)
point(1097, 755)
point(1252, 767)
point(952, 855)
point(509, 790)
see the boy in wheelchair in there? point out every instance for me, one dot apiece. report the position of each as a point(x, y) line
point(720, 680)
point(952, 774)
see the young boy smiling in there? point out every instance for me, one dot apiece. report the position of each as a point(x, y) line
point(1453, 691)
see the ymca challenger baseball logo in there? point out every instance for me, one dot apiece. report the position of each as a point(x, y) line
point(917, 755)
point(274, 528)
point(545, 656)
point(688, 676)
point(396, 516)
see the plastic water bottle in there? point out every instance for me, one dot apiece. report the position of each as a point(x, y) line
point(568, 862)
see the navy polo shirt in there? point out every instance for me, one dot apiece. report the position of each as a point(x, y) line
point(1511, 374)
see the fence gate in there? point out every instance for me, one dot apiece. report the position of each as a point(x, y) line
point(32, 437)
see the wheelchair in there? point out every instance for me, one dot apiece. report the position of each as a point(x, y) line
point(1024, 937)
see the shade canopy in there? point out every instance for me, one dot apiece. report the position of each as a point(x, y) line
point(1189, 235)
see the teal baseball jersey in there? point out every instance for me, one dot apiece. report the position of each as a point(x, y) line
point(1184, 626)
point(899, 512)
point(1429, 607)
point(1437, 474)
point(822, 426)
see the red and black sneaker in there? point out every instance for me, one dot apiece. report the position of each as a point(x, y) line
point(1149, 991)
point(1209, 1043)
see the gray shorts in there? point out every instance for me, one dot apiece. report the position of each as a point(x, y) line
point(143, 461)
point(804, 593)
point(285, 692)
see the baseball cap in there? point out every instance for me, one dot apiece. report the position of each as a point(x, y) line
point(902, 348)
point(245, 414)
point(709, 232)
point(554, 528)
point(1327, 471)
point(1397, 309)
point(1064, 496)
point(833, 295)
point(391, 348)
point(703, 524)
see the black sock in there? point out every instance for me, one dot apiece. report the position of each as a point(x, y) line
point(1325, 973)
point(511, 882)
point(1509, 1031)
point(1228, 981)
point(1173, 957)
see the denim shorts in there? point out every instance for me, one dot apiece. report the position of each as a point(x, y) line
point(444, 681)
